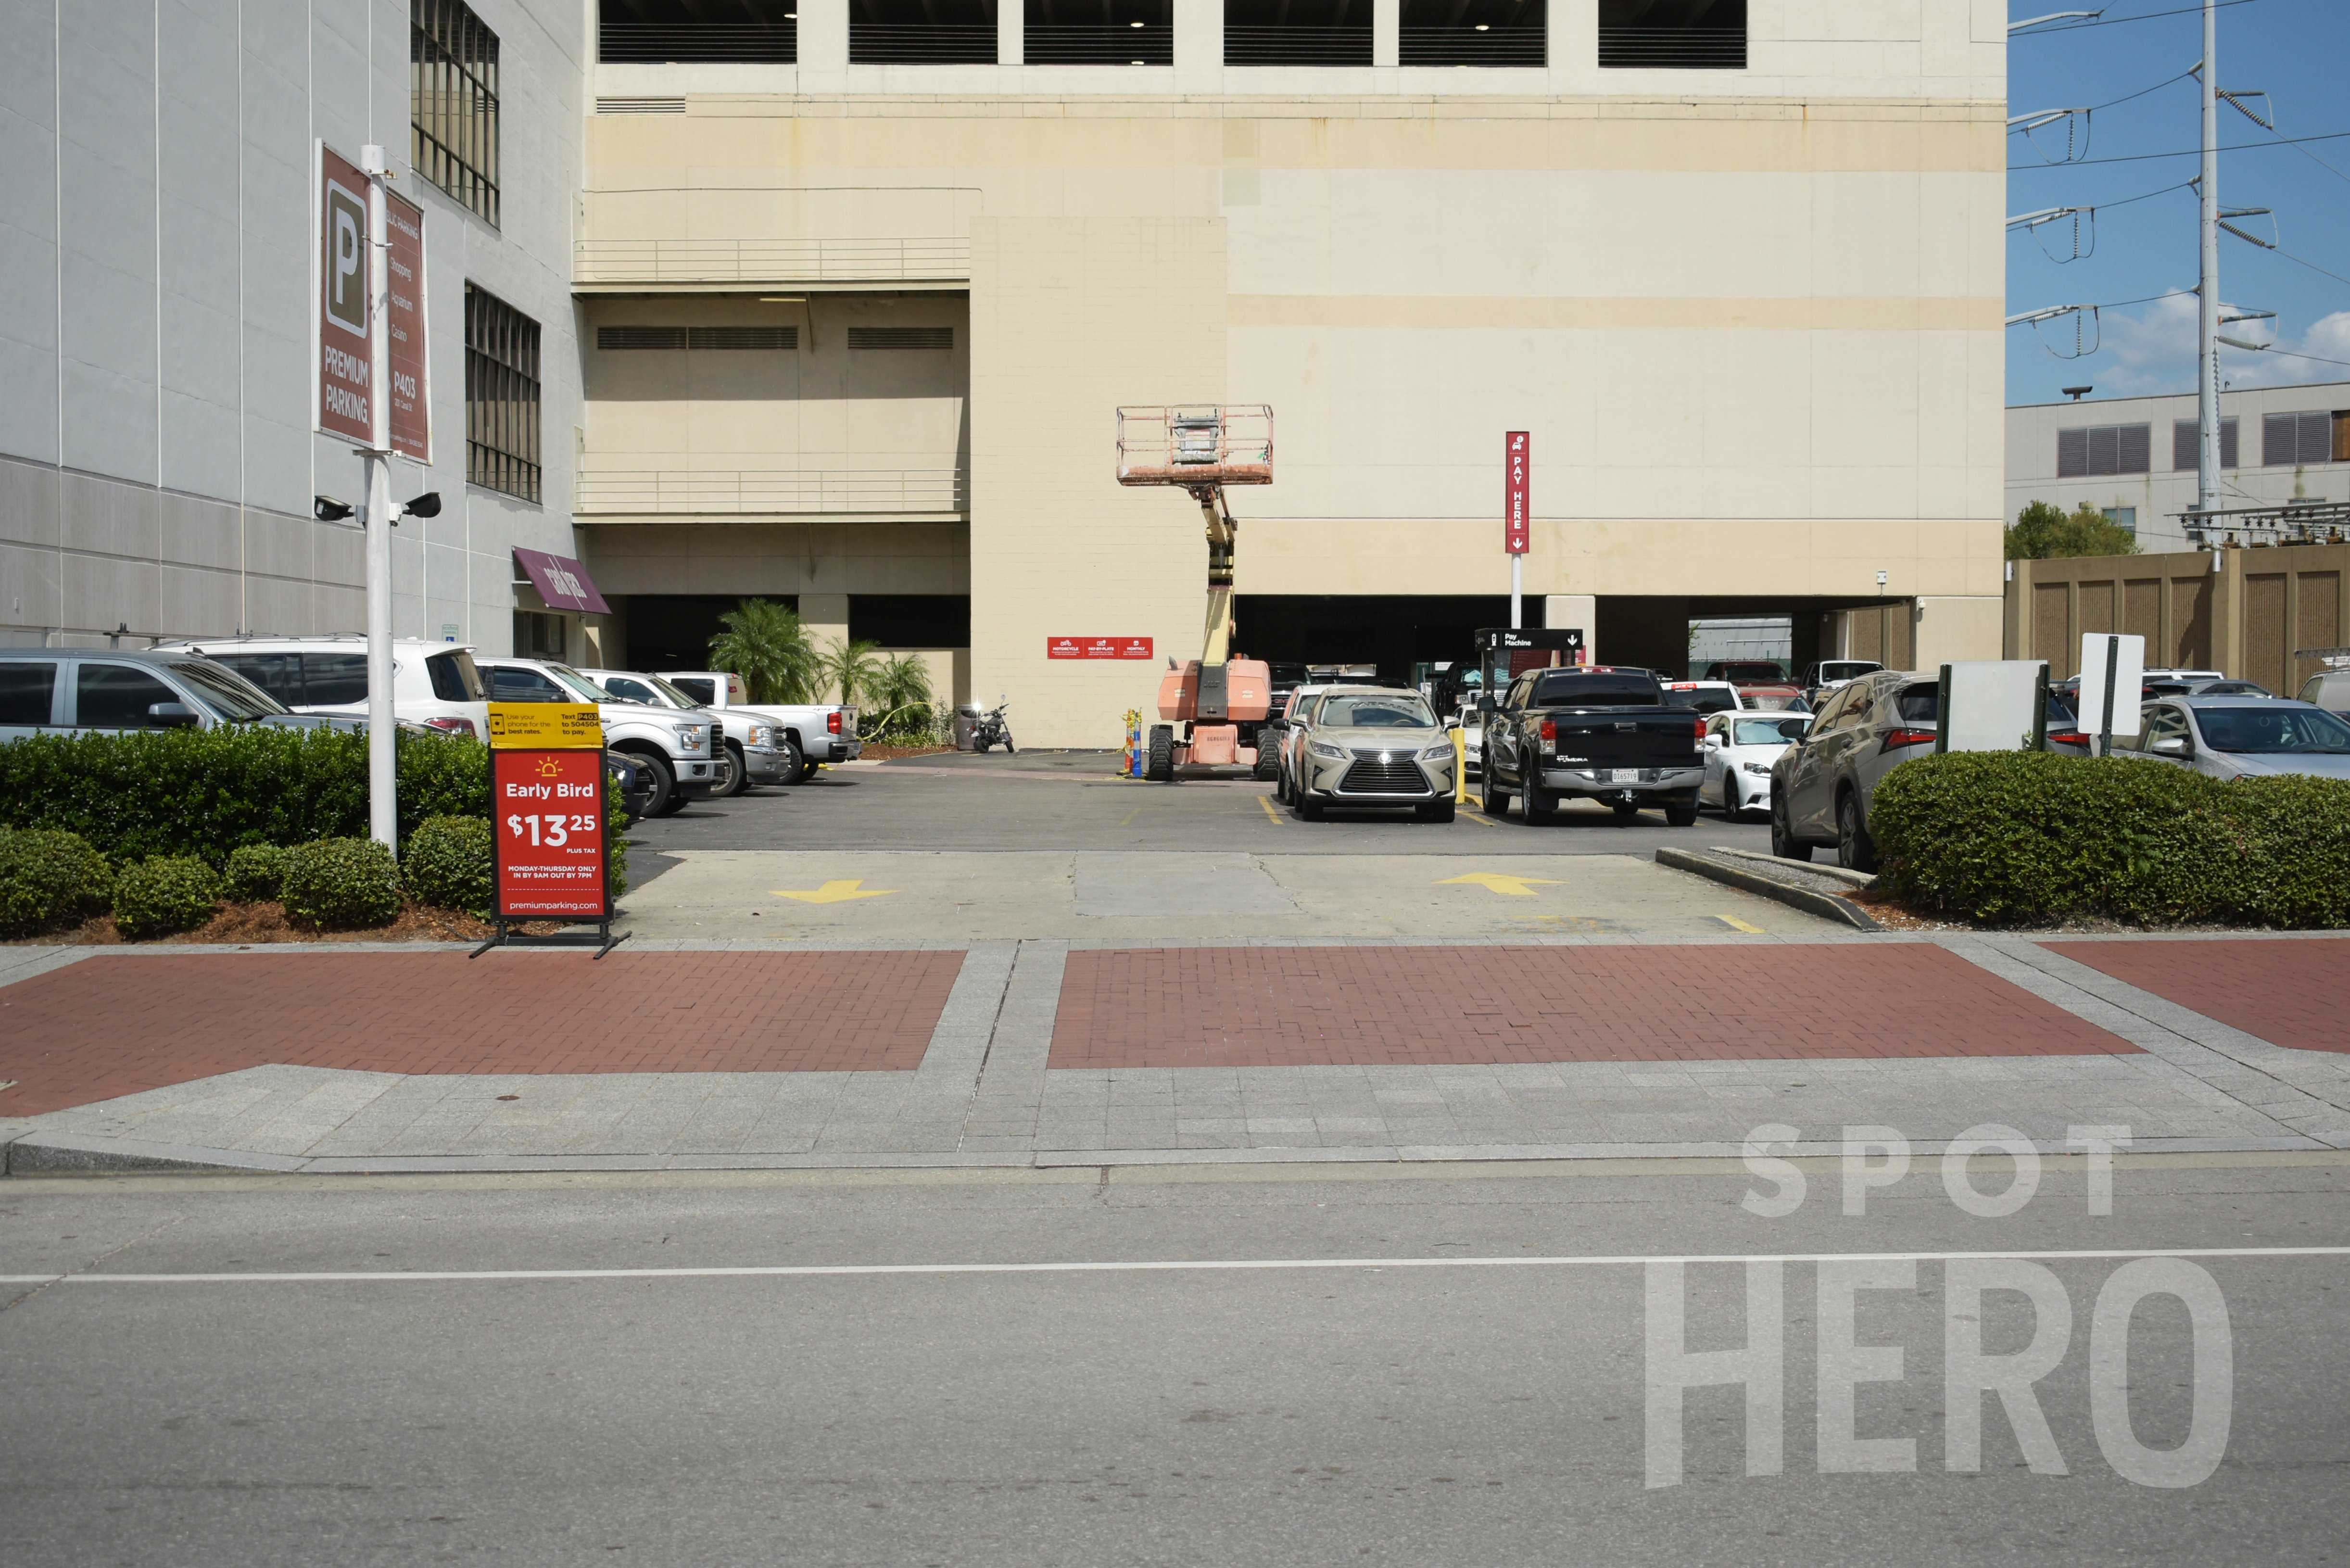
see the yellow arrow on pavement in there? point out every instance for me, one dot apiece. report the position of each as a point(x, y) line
point(1497, 882)
point(834, 892)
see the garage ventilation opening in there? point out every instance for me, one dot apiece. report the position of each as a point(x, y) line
point(901, 337)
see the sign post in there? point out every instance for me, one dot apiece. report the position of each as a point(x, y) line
point(373, 390)
point(547, 820)
point(1517, 461)
point(2113, 684)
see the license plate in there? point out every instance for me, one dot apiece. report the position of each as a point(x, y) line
point(1624, 775)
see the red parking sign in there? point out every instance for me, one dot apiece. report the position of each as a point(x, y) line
point(1517, 464)
point(549, 820)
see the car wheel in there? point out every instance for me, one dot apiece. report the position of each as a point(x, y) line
point(1308, 809)
point(1540, 802)
point(665, 797)
point(1680, 815)
point(1438, 811)
point(1784, 845)
point(792, 761)
point(736, 776)
point(1494, 800)
point(807, 771)
point(1855, 851)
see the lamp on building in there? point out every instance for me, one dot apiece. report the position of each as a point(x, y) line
point(425, 505)
point(2078, 393)
point(327, 509)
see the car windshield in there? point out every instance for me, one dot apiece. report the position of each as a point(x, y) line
point(226, 692)
point(669, 691)
point(1769, 701)
point(1768, 732)
point(587, 690)
point(2274, 730)
point(1404, 711)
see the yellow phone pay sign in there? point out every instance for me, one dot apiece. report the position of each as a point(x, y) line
point(546, 726)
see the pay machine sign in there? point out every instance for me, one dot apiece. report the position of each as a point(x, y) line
point(546, 784)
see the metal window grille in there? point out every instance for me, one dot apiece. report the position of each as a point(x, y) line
point(1098, 32)
point(921, 32)
point(1672, 35)
point(901, 337)
point(1298, 32)
point(1472, 33)
point(681, 32)
point(2291, 441)
point(615, 339)
point(453, 83)
point(742, 338)
point(2185, 435)
point(502, 397)
point(2101, 449)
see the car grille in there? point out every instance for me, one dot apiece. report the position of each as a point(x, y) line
point(1369, 775)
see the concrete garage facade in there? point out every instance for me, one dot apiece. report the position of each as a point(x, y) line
point(1752, 318)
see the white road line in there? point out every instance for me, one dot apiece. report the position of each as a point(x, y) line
point(823, 1270)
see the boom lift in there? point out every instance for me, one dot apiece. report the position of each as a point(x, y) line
point(1218, 700)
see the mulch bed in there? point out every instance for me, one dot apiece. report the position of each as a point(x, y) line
point(883, 751)
point(240, 924)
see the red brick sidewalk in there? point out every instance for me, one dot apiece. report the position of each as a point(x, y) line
point(1289, 1007)
point(2289, 992)
point(109, 1026)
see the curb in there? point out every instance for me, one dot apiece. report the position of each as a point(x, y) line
point(59, 1154)
point(1842, 910)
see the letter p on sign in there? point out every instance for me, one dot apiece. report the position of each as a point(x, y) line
point(347, 260)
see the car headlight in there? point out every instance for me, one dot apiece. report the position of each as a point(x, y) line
point(1759, 769)
point(690, 737)
point(1437, 753)
point(763, 735)
point(1325, 749)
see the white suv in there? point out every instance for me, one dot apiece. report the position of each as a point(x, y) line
point(433, 683)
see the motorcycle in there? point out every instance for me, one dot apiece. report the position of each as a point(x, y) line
point(994, 731)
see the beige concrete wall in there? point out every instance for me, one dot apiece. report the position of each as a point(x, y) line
point(755, 559)
point(1071, 317)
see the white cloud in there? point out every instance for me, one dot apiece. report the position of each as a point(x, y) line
point(2151, 348)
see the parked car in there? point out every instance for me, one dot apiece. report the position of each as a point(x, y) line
point(819, 732)
point(433, 683)
point(635, 788)
point(57, 690)
point(1829, 673)
point(2329, 689)
point(1772, 699)
point(1747, 671)
point(680, 750)
point(1373, 746)
point(1472, 725)
point(1703, 695)
point(1822, 785)
point(2227, 688)
point(1739, 750)
point(1278, 734)
point(1595, 733)
point(2232, 738)
point(757, 750)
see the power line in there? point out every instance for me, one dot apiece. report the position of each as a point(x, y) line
point(2143, 91)
point(2149, 196)
point(2289, 353)
point(2118, 20)
point(2187, 152)
point(2310, 265)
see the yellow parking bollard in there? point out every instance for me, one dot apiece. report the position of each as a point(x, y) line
point(1459, 764)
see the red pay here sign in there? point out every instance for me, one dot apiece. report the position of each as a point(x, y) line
point(549, 817)
point(1517, 465)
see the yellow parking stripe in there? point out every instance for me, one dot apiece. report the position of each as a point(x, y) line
point(1267, 801)
point(1735, 924)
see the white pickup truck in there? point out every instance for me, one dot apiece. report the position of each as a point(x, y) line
point(813, 733)
point(680, 750)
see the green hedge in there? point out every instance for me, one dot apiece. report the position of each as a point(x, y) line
point(446, 862)
point(254, 871)
point(47, 881)
point(2033, 838)
point(169, 893)
point(207, 791)
point(341, 884)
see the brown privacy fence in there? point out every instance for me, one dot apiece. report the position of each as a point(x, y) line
point(2254, 614)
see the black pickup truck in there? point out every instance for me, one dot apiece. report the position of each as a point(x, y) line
point(1595, 733)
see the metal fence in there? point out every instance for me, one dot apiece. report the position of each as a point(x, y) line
point(1673, 48)
point(742, 492)
point(1490, 45)
point(771, 261)
point(882, 44)
point(687, 42)
point(1298, 46)
point(1120, 44)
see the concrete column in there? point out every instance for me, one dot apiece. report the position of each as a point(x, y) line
point(1561, 611)
point(1387, 34)
point(1951, 629)
point(1010, 32)
point(1573, 34)
point(823, 46)
point(825, 616)
point(1199, 45)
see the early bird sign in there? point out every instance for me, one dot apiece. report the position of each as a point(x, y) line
point(1497, 882)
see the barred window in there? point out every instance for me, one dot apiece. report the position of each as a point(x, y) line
point(501, 396)
point(2096, 451)
point(453, 76)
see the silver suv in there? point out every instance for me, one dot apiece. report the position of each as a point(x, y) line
point(1376, 746)
point(61, 690)
point(1822, 784)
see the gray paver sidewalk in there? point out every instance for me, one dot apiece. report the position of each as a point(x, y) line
point(985, 1096)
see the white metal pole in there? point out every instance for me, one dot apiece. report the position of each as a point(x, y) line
point(2207, 379)
point(1517, 591)
point(383, 806)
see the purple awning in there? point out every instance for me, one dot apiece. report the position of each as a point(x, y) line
point(562, 582)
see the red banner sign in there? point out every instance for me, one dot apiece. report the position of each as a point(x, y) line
point(548, 817)
point(411, 392)
point(345, 369)
point(1098, 647)
point(1517, 461)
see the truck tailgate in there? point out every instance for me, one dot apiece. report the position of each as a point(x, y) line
point(1627, 740)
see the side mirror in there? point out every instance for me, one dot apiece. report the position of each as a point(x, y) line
point(2169, 746)
point(171, 715)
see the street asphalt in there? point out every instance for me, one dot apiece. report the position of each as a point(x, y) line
point(1482, 1398)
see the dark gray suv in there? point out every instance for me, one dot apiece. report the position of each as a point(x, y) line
point(1822, 784)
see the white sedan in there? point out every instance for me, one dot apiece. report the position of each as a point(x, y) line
point(1740, 748)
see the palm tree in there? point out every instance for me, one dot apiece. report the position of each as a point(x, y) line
point(850, 667)
point(764, 643)
point(902, 687)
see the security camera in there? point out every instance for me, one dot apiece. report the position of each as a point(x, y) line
point(327, 509)
point(425, 505)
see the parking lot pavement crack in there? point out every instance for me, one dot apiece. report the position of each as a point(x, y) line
point(958, 1044)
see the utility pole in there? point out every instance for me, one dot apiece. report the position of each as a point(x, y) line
point(383, 808)
point(2206, 403)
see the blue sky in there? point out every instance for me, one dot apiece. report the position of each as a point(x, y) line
point(2296, 50)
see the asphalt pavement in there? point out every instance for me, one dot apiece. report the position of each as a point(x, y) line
point(1094, 1367)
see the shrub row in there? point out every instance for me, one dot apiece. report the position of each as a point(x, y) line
point(2033, 838)
point(50, 879)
